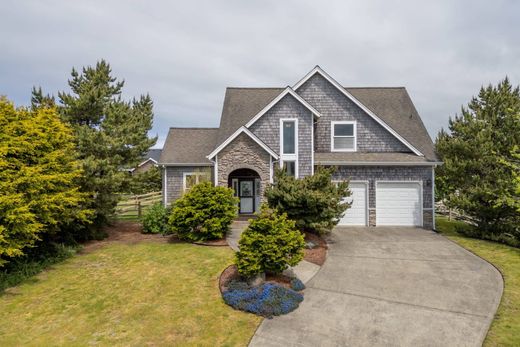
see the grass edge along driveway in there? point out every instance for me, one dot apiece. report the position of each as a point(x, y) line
point(505, 328)
point(148, 293)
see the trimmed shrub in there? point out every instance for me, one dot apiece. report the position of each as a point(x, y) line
point(314, 202)
point(267, 300)
point(204, 213)
point(297, 285)
point(155, 219)
point(269, 244)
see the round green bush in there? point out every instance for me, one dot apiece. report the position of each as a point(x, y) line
point(269, 244)
point(155, 219)
point(204, 213)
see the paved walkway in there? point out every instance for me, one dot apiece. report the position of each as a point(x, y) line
point(391, 287)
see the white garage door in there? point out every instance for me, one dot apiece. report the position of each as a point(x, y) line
point(398, 203)
point(357, 213)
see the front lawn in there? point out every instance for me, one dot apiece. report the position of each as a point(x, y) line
point(150, 293)
point(505, 329)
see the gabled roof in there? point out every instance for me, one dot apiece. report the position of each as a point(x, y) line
point(239, 131)
point(153, 154)
point(318, 70)
point(391, 104)
point(240, 105)
point(188, 146)
point(286, 91)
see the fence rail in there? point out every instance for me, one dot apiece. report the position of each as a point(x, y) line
point(132, 207)
point(451, 213)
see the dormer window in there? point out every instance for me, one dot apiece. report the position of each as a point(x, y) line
point(343, 136)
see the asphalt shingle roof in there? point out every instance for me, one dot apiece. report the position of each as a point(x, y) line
point(384, 157)
point(188, 146)
point(154, 153)
point(391, 104)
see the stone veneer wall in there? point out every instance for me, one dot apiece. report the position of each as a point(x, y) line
point(334, 106)
point(174, 177)
point(267, 129)
point(241, 153)
point(391, 173)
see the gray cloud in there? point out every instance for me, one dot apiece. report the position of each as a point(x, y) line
point(185, 53)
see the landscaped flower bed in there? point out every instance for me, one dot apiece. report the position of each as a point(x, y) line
point(278, 295)
point(267, 300)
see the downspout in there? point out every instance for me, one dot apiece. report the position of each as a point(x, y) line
point(215, 170)
point(165, 186)
point(433, 197)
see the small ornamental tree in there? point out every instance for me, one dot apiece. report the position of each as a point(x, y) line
point(269, 244)
point(203, 213)
point(313, 202)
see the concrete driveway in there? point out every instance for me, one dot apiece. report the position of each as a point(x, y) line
point(390, 286)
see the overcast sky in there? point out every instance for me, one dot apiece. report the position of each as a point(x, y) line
point(185, 54)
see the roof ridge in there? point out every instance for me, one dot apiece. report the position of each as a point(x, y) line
point(372, 87)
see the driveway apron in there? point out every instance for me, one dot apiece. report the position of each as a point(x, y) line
point(391, 286)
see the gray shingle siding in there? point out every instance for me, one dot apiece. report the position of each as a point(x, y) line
point(334, 106)
point(174, 178)
point(267, 129)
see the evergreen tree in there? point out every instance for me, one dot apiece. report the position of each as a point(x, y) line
point(109, 133)
point(478, 176)
point(38, 178)
point(313, 202)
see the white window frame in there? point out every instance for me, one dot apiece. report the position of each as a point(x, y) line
point(292, 156)
point(197, 180)
point(332, 125)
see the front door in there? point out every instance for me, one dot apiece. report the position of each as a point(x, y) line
point(246, 195)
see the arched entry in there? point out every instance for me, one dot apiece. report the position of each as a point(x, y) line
point(246, 184)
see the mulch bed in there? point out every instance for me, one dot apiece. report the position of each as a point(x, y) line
point(125, 232)
point(231, 273)
point(128, 232)
point(213, 243)
point(318, 254)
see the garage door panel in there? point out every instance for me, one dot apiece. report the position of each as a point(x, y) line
point(398, 203)
point(357, 213)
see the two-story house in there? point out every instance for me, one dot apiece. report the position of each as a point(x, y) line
point(374, 136)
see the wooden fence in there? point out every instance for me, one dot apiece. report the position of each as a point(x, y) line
point(452, 213)
point(132, 207)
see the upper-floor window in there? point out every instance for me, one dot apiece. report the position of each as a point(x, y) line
point(343, 136)
point(288, 136)
point(289, 145)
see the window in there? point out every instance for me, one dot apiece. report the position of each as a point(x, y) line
point(289, 145)
point(289, 136)
point(193, 178)
point(290, 168)
point(343, 136)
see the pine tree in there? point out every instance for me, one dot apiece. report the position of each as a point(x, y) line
point(315, 203)
point(38, 178)
point(109, 132)
point(477, 176)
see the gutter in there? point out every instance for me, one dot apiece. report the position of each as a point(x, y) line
point(378, 163)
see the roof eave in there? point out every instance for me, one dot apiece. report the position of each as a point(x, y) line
point(376, 163)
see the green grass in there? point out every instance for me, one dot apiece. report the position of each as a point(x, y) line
point(505, 329)
point(133, 295)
